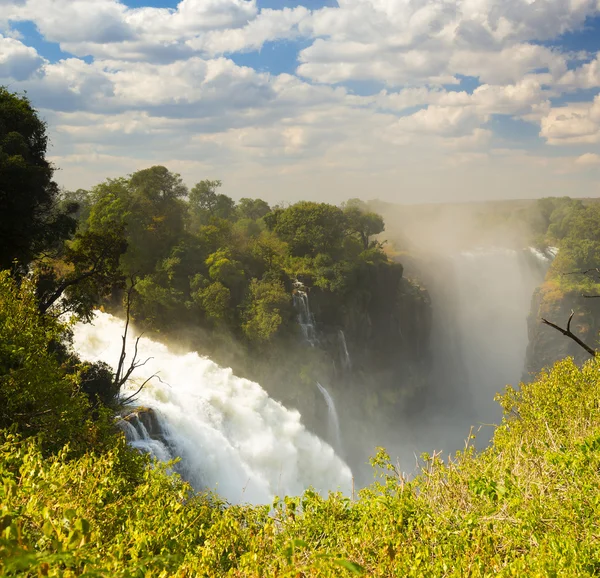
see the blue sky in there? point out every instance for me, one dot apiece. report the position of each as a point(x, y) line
point(306, 98)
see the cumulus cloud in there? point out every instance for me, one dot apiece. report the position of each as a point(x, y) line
point(17, 61)
point(577, 123)
point(161, 85)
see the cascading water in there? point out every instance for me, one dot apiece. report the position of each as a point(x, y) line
point(346, 360)
point(231, 436)
point(306, 319)
point(333, 420)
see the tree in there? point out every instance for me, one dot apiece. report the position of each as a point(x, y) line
point(38, 396)
point(207, 204)
point(267, 306)
point(363, 223)
point(158, 184)
point(309, 228)
point(31, 220)
point(252, 208)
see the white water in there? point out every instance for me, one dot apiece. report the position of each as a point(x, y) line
point(139, 438)
point(333, 423)
point(306, 319)
point(231, 436)
point(346, 360)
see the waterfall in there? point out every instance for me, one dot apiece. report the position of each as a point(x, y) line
point(491, 291)
point(333, 423)
point(481, 300)
point(138, 436)
point(230, 435)
point(346, 360)
point(306, 319)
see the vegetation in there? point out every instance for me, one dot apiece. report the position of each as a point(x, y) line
point(75, 500)
point(527, 506)
point(31, 222)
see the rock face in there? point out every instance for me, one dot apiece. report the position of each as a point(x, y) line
point(546, 345)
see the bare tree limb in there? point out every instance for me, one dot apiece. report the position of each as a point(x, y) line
point(118, 379)
point(585, 272)
point(568, 333)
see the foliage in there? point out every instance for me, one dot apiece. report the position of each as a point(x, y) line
point(268, 304)
point(38, 396)
point(527, 506)
point(31, 221)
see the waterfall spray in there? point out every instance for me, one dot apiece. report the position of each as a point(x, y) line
point(231, 436)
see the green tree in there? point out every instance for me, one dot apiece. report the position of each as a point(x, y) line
point(252, 208)
point(31, 220)
point(268, 306)
point(207, 204)
point(363, 223)
point(310, 228)
point(37, 395)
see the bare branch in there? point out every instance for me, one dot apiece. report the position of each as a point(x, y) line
point(584, 272)
point(568, 333)
point(118, 379)
point(131, 397)
point(570, 319)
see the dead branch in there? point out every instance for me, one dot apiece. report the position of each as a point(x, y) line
point(122, 375)
point(119, 380)
point(568, 333)
point(585, 272)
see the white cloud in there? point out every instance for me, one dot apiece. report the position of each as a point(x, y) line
point(17, 61)
point(577, 123)
point(588, 160)
point(160, 89)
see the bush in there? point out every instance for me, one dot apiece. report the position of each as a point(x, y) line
point(527, 506)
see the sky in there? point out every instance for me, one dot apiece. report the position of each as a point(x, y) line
point(400, 100)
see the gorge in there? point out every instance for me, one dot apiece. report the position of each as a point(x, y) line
point(230, 436)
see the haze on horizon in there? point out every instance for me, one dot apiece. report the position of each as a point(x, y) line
point(402, 100)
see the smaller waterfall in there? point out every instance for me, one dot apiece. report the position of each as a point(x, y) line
point(138, 436)
point(306, 319)
point(346, 360)
point(333, 424)
point(541, 256)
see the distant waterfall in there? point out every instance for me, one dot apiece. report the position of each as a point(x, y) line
point(483, 301)
point(306, 319)
point(333, 423)
point(231, 436)
point(346, 360)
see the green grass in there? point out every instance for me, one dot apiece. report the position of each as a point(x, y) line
point(527, 506)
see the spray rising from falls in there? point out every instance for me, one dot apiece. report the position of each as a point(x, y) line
point(489, 291)
point(231, 436)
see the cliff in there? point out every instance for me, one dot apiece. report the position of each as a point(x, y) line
point(546, 345)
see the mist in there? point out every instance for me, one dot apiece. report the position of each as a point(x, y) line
point(475, 266)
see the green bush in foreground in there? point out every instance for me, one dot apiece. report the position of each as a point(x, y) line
point(527, 506)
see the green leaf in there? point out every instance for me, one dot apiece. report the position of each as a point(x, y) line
point(350, 566)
